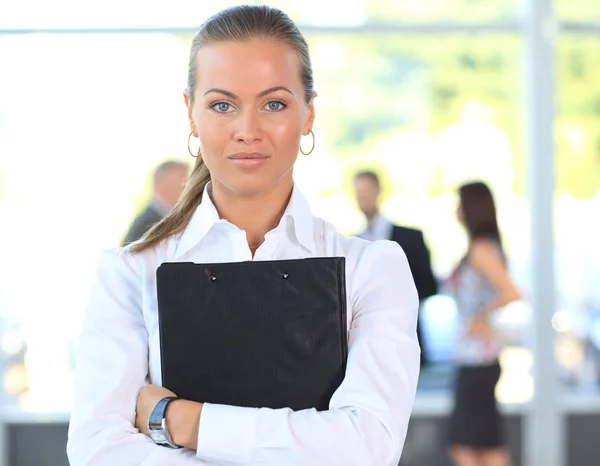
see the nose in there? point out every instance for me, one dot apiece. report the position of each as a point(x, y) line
point(248, 128)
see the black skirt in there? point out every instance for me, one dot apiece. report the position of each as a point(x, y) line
point(475, 420)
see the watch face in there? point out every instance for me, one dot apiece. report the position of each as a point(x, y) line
point(158, 436)
point(157, 428)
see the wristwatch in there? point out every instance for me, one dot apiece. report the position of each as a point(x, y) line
point(157, 424)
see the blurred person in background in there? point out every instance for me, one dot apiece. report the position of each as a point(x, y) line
point(169, 180)
point(368, 190)
point(480, 285)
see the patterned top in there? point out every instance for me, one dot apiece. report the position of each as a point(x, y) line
point(472, 292)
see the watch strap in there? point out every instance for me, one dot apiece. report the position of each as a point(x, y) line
point(157, 427)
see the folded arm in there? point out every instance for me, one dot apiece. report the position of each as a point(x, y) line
point(369, 413)
point(112, 367)
point(365, 425)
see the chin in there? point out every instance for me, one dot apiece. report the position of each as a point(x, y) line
point(250, 186)
point(257, 182)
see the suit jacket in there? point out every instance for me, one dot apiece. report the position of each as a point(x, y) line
point(142, 223)
point(417, 253)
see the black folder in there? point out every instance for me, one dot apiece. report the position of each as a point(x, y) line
point(257, 334)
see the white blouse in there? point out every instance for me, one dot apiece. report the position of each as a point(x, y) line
point(118, 353)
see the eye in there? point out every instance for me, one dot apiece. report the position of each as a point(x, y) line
point(222, 107)
point(275, 106)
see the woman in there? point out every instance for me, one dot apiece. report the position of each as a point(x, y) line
point(481, 285)
point(250, 99)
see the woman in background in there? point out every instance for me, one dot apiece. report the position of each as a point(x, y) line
point(481, 286)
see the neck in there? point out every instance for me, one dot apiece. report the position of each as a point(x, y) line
point(371, 216)
point(256, 215)
point(160, 203)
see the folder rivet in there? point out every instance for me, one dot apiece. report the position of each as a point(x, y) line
point(213, 279)
point(285, 275)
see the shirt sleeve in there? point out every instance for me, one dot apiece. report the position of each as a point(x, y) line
point(112, 367)
point(369, 413)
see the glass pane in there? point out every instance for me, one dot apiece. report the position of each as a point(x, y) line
point(16, 14)
point(83, 118)
point(442, 10)
point(357, 12)
point(83, 133)
point(577, 210)
point(110, 14)
point(578, 10)
point(428, 114)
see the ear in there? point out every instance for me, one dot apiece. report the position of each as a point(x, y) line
point(310, 116)
point(188, 103)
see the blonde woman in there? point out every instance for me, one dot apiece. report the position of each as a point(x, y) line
point(250, 103)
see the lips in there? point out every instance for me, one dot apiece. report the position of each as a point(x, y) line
point(248, 160)
point(248, 156)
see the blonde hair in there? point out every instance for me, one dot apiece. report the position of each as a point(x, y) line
point(239, 23)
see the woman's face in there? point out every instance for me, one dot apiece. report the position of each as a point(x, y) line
point(249, 113)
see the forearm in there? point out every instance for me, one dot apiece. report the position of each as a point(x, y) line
point(111, 440)
point(339, 436)
point(493, 307)
point(183, 421)
point(361, 427)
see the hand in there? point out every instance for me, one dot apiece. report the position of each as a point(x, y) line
point(480, 327)
point(149, 396)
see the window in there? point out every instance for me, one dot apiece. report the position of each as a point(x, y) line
point(428, 116)
point(578, 10)
point(405, 11)
point(83, 118)
point(577, 210)
point(84, 133)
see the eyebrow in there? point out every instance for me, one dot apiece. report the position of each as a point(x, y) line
point(231, 95)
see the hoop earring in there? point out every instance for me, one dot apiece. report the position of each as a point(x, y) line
point(312, 147)
point(189, 150)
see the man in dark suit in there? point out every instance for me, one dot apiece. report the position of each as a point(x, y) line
point(368, 189)
point(169, 180)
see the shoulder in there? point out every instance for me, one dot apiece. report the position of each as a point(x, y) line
point(365, 260)
point(150, 213)
point(484, 250)
point(377, 253)
point(123, 262)
point(128, 276)
point(378, 276)
point(484, 247)
point(352, 247)
point(411, 238)
point(118, 262)
point(144, 220)
point(407, 232)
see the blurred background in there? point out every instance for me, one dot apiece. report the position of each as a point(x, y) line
point(430, 94)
